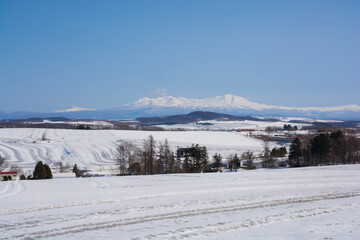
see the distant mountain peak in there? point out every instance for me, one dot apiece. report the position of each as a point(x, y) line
point(228, 101)
point(169, 105)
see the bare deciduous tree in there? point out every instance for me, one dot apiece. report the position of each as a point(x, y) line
point(217, 161)
point(16, 168)
point(63, 165)
point(167, 157)
point(267, 161)
point(43, 137)
point(248, 157)
point(149, 155)
point(3, 163)
point(127, 154)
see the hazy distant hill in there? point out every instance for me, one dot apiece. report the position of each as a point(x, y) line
point(192, 117)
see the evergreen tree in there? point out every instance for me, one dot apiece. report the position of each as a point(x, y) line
point(217, 161)
point(338, 148)
point(48, 172)
point(195, 159)
point(295, 156)
point(39, 171)
point(75, 168)
point(320, 149)
point(278, 152)
point(234, 162)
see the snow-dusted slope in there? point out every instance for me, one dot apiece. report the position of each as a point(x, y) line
point(93, 149)
point(229, 101)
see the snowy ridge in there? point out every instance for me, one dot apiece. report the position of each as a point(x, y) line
point(229, 101)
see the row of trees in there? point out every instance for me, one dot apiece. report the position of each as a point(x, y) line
point(247, 157)
point(269, 157)
point(153, 158)
point(157, 158)
point(41, 171)
point(324, 149)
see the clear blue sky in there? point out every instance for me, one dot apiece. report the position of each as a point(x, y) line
point(103, 54)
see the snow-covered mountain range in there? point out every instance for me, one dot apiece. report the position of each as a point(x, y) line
point(228, 104)
point(229, 101)
point(236, 105)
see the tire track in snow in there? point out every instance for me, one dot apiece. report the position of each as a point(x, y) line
point(69, 150)
point(5, 188)
point(13, 188)
point(101, 158)
point(97, 158)
point(39, 155)
point(47, 158)
point(107, 156)
point(16, 152)
point(36, 156)
point(63, 231)
point(4, 154)
point(117, 200)
point(222, 227)
point(97, 183)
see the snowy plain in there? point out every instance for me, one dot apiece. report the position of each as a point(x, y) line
point(302, 203)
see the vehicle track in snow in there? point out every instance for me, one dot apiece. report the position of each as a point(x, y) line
point(217, 209)
point(16, 152)
point(222, 227)
point(4, 154)
point(12, 188)
point(36, 152)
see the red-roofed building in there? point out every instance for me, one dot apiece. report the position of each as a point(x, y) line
point(6, 175)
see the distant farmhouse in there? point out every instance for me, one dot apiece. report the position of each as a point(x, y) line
point(181, 152)
point(6, 176)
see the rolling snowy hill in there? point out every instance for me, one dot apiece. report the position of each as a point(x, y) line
point(94, 149)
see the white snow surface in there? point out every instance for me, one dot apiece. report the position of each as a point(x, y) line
point(302, 203)
point(86, 123)
point(94, 149)
point(233, 125)
point(228, 101)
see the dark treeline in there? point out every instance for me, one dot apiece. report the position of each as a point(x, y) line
point(153, 158)
point(324, 149)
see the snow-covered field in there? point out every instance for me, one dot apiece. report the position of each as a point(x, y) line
point(303, 203)
point(94, 149)
point(234, 125)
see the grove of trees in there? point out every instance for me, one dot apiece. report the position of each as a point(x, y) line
point(248, 158)
point(324, 149)
point(157, 158)
point(42, 171)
